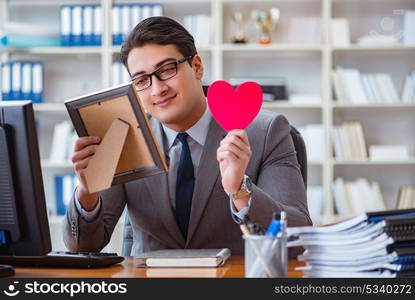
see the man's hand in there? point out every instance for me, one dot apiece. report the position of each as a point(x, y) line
point(233, 156)
point(85, 148)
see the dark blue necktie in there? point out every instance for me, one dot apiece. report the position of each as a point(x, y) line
point(184, 185)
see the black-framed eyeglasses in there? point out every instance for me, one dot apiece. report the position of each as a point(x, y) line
point(162, 73)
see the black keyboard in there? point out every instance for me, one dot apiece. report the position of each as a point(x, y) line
point(6, 271)
point(63, 259)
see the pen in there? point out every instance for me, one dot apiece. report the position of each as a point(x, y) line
point(275, 225)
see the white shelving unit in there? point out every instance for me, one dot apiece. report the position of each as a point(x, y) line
point(307, 68)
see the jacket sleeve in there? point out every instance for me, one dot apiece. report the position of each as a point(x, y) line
point(279, 185)
point(80, 234)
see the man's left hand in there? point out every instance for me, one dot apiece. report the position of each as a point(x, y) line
point(233, 156)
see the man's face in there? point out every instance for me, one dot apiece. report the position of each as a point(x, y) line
point(174, 100)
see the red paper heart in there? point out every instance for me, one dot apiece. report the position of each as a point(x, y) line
point(234, 109)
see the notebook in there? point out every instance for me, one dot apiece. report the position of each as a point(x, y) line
point(184, 258)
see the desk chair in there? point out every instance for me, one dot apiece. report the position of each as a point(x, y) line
point(299, 147)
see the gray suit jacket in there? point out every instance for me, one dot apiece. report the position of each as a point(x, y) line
point(273, 168)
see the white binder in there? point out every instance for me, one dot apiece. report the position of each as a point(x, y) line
point(6, 81)
point(97, 28)
point(26, 81)
point(77, 25)
point(37, 86)
point(87, 24)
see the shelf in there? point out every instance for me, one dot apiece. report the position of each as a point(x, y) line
point(272, 47)
point(374, 48)
point(203, 48)
point(58, 50)
point(50, 107)
point(287, 104)
point(56, 165)
point(373, 162)
point(315, 163)
point(374, 105)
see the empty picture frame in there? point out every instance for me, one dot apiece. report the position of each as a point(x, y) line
point(93, 114)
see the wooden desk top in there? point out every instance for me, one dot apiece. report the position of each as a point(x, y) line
point(234, 268)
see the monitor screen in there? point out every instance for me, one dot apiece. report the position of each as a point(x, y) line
point(24, 227)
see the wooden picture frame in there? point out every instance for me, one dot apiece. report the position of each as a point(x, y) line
point(93, 115)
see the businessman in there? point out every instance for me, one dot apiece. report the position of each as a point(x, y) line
point(215, 178)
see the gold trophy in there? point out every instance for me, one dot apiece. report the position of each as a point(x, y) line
point(266, 21)
point(240, 19)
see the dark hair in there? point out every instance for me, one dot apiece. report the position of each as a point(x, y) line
point(160, 31)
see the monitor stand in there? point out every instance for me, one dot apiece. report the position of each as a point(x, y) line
point(6, 270)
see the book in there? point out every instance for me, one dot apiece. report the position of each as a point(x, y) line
point(184, 258)
point(340, 32)
point(409, 28)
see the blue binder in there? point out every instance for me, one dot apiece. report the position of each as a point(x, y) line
point(38, 75)
point(66, 25)
point(76, 27)
point(16, 82)
point(6, 79)
point(87, 24)
point(97, 26)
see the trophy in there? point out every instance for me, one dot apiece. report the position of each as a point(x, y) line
point(266, 21)
point(240, 19)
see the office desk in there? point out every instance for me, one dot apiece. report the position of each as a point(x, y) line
point(234, 267)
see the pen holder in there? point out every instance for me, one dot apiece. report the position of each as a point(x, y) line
point(265, 256)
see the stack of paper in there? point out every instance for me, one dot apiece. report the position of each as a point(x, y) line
point(376, 244)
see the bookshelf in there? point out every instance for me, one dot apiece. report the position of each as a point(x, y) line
point(307, 69)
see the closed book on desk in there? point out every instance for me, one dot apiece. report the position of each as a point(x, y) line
point(184, 258)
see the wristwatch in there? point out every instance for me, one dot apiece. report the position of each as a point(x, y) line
point(245, 189)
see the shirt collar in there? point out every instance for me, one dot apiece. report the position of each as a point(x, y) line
point(197, 132)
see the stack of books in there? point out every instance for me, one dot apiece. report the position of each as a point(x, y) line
point(352, 87)
point(349, 141)
point(358, 196)
point(377, 244)
point(406, 197)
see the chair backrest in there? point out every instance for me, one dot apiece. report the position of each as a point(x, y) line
point(300, 148)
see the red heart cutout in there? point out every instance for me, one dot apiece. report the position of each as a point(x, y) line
point(234, 109)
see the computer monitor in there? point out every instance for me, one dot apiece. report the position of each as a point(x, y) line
point(23, 214)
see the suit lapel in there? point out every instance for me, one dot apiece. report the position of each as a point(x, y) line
point(207, 173)
point(161, 198)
